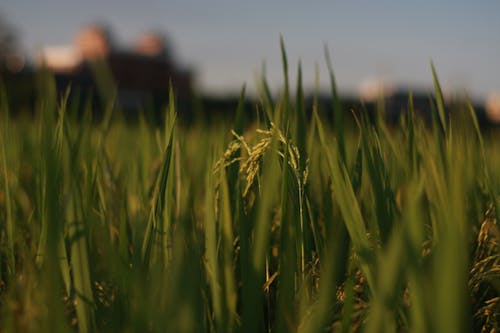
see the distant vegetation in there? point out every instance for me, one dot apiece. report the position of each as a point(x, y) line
point(7, 40)
point(290, 223)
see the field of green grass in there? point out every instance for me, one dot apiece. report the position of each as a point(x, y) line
point(290, 223)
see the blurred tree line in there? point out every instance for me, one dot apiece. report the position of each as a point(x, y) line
point(8, 43)
point(17, 84)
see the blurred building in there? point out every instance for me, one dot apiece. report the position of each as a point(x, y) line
point(493, 108)
point(142, 72)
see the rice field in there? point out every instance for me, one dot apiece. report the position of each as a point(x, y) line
point(290, 223)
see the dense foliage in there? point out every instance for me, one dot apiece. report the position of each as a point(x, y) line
point(286, 224)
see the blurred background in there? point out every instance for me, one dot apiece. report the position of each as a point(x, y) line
point(213, 48)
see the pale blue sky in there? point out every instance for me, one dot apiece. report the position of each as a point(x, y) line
point(228, 41)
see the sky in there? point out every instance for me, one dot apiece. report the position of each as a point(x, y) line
point(227, 43)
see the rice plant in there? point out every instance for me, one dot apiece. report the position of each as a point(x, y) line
point(290, 223)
